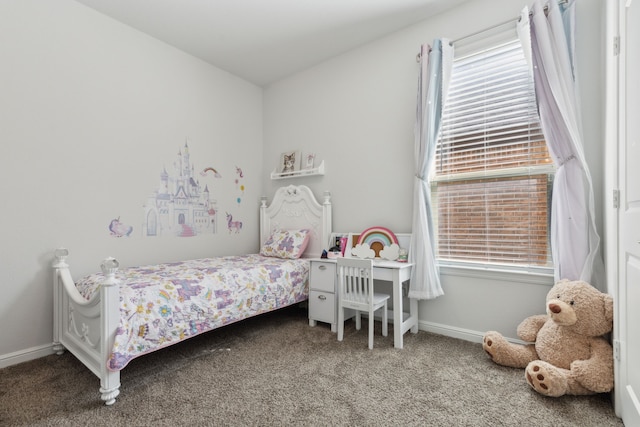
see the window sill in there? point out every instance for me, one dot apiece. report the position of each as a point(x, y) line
point(536, 275)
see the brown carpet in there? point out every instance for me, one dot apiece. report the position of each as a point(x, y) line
point(276, 370)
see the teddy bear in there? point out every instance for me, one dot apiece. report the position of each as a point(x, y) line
point(568, 353)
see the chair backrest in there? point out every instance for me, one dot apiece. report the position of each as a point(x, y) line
point(355, 278)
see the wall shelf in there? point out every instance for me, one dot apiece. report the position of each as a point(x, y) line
point(302, 172)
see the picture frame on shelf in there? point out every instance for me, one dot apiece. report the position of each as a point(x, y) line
point(289, 162)
point(309, 161)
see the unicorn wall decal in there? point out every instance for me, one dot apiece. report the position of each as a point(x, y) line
point(233, 225)
point(119, 229)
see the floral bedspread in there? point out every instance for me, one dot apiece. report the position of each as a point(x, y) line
point(166, 303)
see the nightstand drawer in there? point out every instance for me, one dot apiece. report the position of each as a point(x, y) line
point(322, 306)
point(322, 276)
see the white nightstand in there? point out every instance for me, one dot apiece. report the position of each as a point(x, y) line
point(322, 293)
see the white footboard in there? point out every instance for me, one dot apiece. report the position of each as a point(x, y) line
point(87, 328)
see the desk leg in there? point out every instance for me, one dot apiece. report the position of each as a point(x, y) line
point(397, 310)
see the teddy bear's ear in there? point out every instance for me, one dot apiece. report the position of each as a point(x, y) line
point(608, 307)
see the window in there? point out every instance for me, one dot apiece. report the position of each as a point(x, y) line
point(493, 174)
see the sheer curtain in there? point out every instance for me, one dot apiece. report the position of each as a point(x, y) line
point(435, 71)
point(575, 244)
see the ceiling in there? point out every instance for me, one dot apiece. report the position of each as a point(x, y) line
point(263, 41)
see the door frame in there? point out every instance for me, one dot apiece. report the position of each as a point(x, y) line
point(615, 137)
point(611, 185)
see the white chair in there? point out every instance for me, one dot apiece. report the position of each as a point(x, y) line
point(355, 291)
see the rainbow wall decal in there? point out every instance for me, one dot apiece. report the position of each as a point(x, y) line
point(380, 235)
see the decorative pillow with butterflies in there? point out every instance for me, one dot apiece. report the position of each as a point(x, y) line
point(289, 244)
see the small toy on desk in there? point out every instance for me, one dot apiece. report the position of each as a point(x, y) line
point(336, 245)
point(324, 254)
point(343, 245)
point(337, 250)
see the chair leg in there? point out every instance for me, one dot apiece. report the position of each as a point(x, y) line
point(340, 323)
point(385, 321)
point(371, 324)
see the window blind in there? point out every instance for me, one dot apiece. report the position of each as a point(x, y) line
point(492, 169)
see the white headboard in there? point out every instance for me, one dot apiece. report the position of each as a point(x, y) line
point(295, 207)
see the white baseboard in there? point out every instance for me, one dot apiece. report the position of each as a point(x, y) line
point(451, 331)
point(460, 333)
point(25, 355)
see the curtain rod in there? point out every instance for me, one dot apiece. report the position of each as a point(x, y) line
point(490, 28)
point(468, 36)
point(474, 34)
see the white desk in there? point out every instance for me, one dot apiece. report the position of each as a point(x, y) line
point(389, 271)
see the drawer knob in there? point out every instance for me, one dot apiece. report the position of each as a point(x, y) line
point(322, 297)
point(322, 267)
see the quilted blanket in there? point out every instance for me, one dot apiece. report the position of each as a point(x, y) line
point(166, 303)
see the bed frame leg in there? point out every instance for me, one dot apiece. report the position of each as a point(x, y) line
point(109, 395)
point(58, 348)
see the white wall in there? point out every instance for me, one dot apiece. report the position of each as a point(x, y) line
point(91, 111)
point(356, 111)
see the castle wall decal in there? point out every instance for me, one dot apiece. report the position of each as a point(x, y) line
point(181, 206)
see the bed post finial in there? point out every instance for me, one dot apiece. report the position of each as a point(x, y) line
point(327, 197)
point(263, 201)
point(109, 267)
point(61, 255)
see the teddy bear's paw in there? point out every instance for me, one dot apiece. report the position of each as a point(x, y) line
point(491, 343)
point(546, 379)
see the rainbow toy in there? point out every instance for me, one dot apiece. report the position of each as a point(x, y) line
point(380, 240)
point(381, 235)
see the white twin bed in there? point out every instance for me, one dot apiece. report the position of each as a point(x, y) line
point(107, 319)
